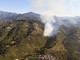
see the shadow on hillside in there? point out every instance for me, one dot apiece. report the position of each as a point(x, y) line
point(50, 42)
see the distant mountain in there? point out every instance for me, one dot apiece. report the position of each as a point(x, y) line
point(29, 16)
point(8, 16)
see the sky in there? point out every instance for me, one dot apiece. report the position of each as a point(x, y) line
point(46, 7)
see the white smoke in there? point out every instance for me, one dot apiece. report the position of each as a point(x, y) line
point(52, 24)
point(49, 27)
point(56, 7)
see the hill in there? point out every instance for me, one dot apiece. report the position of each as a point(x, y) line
point(23, 39)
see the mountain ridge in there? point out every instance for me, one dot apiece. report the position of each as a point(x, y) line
point(23, 39)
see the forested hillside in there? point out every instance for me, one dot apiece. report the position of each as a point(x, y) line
point(23, 39)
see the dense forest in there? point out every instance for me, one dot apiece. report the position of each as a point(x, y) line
point(23, 39)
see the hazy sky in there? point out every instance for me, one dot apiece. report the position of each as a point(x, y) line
point(49, 7)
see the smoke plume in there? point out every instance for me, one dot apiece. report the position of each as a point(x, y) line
point(52, 24)
point(58, 8)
